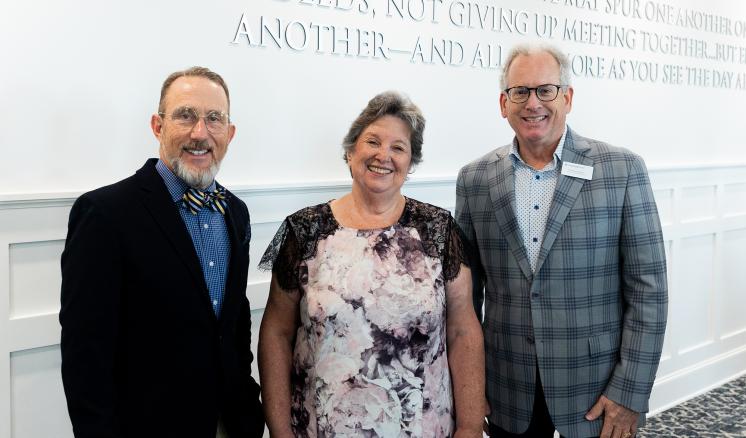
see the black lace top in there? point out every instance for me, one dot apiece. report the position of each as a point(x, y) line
point(297, 239)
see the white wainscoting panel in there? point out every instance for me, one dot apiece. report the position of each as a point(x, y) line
point(733, 197)
point(691, 310)
point(664, 200)
point(733, 298)
point(35, 277)
point(36, 394)
point(697, 203)
point(703, 211)
point(32, 233)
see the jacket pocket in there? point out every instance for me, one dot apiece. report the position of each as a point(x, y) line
point(604, 343)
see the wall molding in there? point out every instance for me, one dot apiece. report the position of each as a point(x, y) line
point(676, 388)
point(61, 198)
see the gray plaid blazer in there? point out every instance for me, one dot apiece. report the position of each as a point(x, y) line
point(593, 314)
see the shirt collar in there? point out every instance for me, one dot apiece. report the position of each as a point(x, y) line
point(557, 156)
point(175, 185)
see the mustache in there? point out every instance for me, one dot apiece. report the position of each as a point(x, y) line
point(200, 144)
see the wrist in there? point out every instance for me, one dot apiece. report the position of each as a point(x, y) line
point(284, 431)
point(464, 432)
point(477, 427)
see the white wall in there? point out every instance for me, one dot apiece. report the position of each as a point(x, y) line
point(81, 79)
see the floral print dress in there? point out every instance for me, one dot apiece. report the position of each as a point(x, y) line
point(370, 354)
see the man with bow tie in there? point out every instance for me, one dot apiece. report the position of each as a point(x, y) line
point(155, 320)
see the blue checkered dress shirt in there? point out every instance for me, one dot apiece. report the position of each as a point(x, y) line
point(534, 190)
point(209, 236)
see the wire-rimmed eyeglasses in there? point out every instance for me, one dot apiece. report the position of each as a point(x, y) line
point(186, 117)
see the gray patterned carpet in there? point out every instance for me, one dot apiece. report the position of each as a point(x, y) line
point(719, 413)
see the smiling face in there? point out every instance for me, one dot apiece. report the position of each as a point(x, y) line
point(192, 152)
point(537, 124)
point(382, 156)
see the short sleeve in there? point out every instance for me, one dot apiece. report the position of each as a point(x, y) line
point(283, 257)
point(296, 242)
point(454, 252)
point(440, 234)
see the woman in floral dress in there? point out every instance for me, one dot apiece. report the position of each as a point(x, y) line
point(369, 328)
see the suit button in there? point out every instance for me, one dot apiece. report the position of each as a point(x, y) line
point(534, 295)
point(530, 339)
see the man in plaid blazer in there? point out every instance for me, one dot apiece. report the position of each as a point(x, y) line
point(569, 263)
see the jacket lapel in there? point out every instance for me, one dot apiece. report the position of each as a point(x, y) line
point(500, 177)
point(239, 255)
point(565, 194)
point(158, 202)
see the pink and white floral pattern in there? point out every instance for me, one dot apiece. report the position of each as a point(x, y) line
point(370, 354)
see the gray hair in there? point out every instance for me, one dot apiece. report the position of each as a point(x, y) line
point(389, 103)
point(532, 49)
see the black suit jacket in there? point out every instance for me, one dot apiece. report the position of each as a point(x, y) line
point(143, 353)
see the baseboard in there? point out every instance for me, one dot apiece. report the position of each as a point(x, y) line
point(676, 388)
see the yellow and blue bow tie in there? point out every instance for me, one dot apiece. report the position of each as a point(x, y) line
point(195, 200)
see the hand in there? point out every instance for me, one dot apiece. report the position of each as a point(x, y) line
point(619, 422)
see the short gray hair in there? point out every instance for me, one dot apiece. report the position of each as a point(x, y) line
point(196, 71)
point(532, 49)
point(389, 103)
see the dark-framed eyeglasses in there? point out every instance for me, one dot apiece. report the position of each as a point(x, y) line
point(545, 93)
point(186, 117)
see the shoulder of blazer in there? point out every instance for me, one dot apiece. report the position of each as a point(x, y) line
point(482, 162)
point(597, 149)
point(114, 198)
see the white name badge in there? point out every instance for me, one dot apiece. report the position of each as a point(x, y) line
point(577, 170)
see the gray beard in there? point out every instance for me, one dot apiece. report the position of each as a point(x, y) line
point(195, 178)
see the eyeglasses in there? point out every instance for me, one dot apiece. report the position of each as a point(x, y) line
point(186, 117)
point(545, 93)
